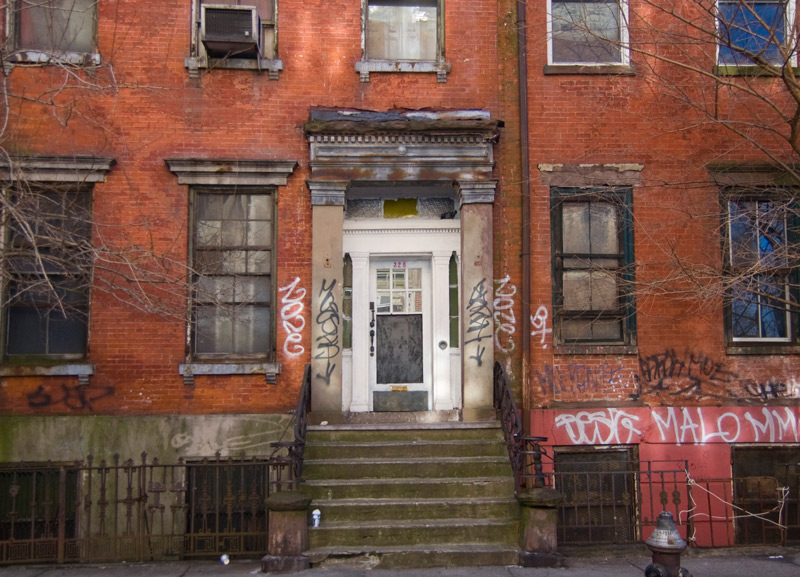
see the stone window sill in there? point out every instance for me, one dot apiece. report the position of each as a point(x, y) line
point(189, 370)
point(273, 66)
point(595, 350)
point(590, 69)
point(364, 67)
point(35, 57)
point(749, 71)
point(81, 370)
point(763, 349)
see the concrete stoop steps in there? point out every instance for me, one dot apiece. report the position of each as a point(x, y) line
point(411, 496)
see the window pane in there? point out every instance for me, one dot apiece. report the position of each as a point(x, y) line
point(398, 278)
point(56, 25)
point(382, 277)
point(604, 224)
point(402, 30)
point(209, 232)
point(251, 330)
point(214, 328)
point(236, 280)
point(743, 226)
point(27, 331)
point(415, 278)
point(749, 29)
point(774, 324)
point(604, 291)
point(575, 218)
point(577, 290)
point(744, 314)
point(67, 334)
point(586, 32)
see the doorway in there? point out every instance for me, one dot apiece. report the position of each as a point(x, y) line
point(400, 311)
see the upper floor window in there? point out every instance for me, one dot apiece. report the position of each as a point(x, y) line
point(759, 270)
point(402, 30)
point(233, 283)
point(47, 269)
point(592, 266)
point(588, 32)
point(61, 29)
point(755, 32)
point(235, 34)
point(403, 36)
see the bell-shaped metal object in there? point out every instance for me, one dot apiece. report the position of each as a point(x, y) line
point(665, 536)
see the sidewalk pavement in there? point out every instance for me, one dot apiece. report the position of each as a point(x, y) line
point(738, 562)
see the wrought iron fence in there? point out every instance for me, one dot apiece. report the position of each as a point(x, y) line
point(87, 511)
point(616, 501)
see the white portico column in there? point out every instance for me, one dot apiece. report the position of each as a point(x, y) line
point(477, 310)
point(361, 337)
point(442, 394)
point(327, 269)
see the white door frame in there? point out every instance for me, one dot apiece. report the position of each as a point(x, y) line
point(375, 239)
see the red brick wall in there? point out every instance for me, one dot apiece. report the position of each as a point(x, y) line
point(141, 107)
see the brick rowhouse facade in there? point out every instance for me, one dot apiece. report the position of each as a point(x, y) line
point(315, 127)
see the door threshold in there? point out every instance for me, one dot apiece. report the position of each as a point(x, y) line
point(387, 418)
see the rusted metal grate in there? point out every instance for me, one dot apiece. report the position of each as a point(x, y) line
point(87, 512)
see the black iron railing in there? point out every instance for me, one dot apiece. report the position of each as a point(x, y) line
point(525, 452)
point(124, 510)
point(295, 449)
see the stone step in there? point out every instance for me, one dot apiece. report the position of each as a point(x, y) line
point(408, 467)
point(404, 432)
point(416, 509)
point(421, 556)
point(356, 534)
point(404, 449)
point(409, 488)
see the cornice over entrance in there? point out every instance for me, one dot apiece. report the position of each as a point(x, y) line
point(358, 145)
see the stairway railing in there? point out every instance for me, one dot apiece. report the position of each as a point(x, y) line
point(524, 451)
point(296, 448)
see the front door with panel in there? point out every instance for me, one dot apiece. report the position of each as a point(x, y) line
point(400, 354)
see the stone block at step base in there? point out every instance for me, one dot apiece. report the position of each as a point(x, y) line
point(541, 559)
point(286, 564)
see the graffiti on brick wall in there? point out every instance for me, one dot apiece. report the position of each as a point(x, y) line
point(327, 319)
point(74, 397)
point(691, 425)
point(505, 322)
point(539, 324)
point(678, 425)
point(690, 374)
point(575, 378)
point(772, 389)
point(602, 427)
point(480, 321)
point(292, 318)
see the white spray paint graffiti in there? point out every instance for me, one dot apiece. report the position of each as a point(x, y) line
point(504, 319)
point(680, 425)
point(292, 317)
point(604, 427)
point(539, 323)
point(692, 426)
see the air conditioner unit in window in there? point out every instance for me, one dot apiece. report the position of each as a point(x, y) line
point(232, 31)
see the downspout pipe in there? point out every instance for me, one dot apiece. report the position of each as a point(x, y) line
point(525, 190)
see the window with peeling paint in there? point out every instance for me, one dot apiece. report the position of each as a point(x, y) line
point(588, 32)
point(233, 265)
point(592, 266)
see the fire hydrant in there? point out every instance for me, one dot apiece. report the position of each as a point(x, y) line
point(666, 546)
